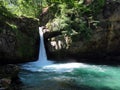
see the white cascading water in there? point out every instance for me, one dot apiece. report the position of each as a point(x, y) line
point(42, 60)
point(42, 52)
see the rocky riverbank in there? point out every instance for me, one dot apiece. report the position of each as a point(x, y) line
point(9, 77)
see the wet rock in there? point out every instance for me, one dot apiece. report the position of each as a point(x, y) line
point(5, 82)
point(19, 40)
point(8, 76)
point(110, 7)
point(103, 45)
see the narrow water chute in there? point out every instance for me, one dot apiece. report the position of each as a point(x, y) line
point(42, 51)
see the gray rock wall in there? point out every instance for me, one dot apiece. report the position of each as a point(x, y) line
point(102, 47)
point(19, 40)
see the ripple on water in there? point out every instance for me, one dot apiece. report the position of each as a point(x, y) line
point(71, 76)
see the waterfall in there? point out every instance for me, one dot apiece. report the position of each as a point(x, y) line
point(42, 51)
point(42, 59)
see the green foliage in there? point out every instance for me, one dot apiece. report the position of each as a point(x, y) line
point(5, 18)
point(73, 16)
point(5, 14)
point(28, 8)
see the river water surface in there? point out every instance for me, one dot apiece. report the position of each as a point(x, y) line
point(70, 76)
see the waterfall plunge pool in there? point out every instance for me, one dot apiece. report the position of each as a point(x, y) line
point(71, 76)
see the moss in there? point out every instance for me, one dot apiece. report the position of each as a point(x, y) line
point(24, 45)
point(13, 26)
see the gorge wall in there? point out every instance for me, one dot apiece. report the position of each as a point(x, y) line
point(19, 40)
point(103, 45)
point(19, 37)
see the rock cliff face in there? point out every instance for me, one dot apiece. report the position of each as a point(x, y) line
point(19, 40)
point(102, 47)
